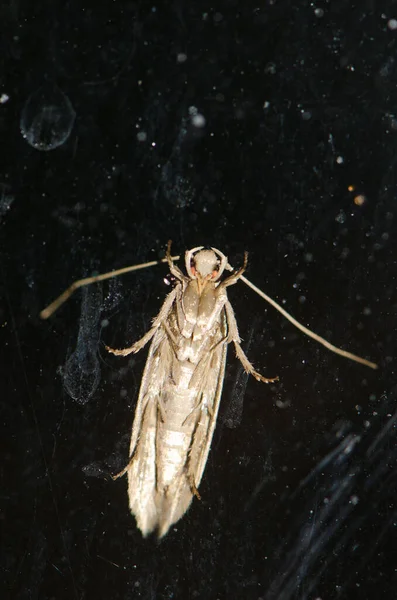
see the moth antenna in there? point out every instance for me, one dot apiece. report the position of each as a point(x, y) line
point(51, 308)
point(305, 330)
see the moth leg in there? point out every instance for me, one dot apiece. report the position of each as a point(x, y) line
point(124, 471)
point(161, 317)
point(196, 409)
point(232, 279)
point(175, 271)
point(235, 338)
point(161, 408)
point(195, 453)
point(132, 457)
point(173, 339)
point(200, 376)
point(193, 488)
point(197, 448)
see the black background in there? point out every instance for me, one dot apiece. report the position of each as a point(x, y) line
point(299, 101)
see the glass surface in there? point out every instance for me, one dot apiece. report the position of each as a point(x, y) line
point(268, 127)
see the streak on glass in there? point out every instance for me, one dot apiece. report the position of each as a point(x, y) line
point(81, 374)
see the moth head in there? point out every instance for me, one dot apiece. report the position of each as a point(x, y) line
point(205, 263)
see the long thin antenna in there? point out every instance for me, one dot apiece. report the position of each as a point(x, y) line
point(51, 308)
point(307, 331)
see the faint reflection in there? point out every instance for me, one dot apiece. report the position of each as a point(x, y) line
point(81, 374)
point(47, 118)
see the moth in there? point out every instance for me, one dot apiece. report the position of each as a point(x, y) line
point(181, 386)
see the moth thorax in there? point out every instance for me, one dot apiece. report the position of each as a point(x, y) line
point(206, 262)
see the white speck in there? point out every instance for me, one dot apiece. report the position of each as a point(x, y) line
point(4, 98)
point(340, 160)
point(141, 136)
point(319, 12)
point(392, 24)
point(198, 120)
point(181, 57)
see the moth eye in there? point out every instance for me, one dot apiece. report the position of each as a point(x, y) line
point(216, 268)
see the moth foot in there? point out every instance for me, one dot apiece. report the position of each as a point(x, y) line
point(121, 352)
point(260, 377)
point(195, 490)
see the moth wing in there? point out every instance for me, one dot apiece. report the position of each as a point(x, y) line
point(211, 397)
point(142, 468)
point(180, 494)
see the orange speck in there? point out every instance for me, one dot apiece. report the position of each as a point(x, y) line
point(359, 200)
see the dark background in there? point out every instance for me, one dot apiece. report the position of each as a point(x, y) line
point(269, 127)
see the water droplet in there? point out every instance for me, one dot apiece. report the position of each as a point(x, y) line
point(47, 118)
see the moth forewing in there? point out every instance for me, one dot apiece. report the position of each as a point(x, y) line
point(181, 387)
